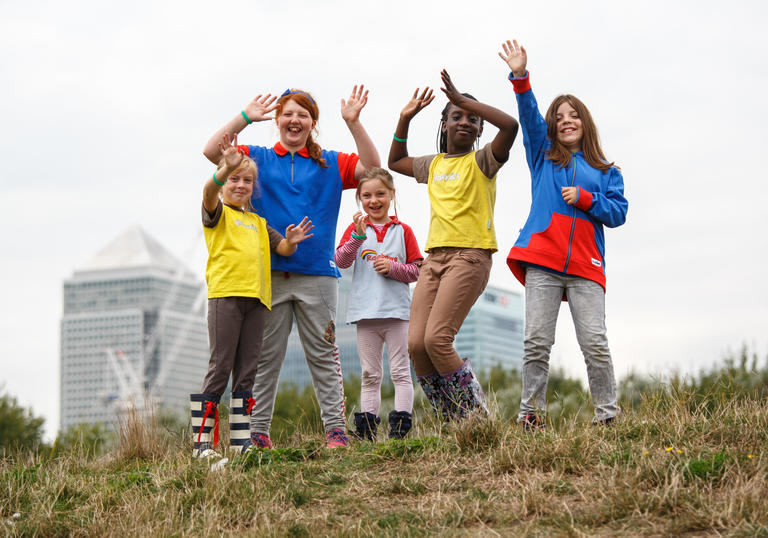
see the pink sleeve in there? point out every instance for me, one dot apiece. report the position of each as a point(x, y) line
point(404, 272)
point(347, 163)
point(347, 249)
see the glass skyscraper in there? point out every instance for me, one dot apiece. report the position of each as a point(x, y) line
point(133, 328)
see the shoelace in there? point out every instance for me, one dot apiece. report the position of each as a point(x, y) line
point(337, 435)
point(210, 406)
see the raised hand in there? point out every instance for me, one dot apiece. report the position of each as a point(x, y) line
point(417, 102)
point(360, 222)
point(450, 91)
point(232, 156)
point(261, 105)
point(350, 109)
point(515, 57)
point(296, 234)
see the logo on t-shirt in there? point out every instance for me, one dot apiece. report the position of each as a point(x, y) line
point(369, 255)
point(453, 176)
point(596, 263)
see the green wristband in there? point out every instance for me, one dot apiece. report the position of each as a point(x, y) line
point(358, 236)
point(247, 119)
point(217, 181)
point(399, 139)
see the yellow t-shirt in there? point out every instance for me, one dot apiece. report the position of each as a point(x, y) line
point(462, 199)
point(238, 256)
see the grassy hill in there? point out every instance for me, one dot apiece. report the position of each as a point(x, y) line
point(679, 462)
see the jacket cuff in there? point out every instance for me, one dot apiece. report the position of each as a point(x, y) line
point(522, 84)
point(584, 201)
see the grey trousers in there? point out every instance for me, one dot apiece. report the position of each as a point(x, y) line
point(311, 301)
point(586, 299)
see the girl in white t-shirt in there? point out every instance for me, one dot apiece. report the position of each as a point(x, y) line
point(386, 258)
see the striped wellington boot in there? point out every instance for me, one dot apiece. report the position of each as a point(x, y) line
point(240, 406)
point(205, 424)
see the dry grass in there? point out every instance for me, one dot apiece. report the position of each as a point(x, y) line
point(667, 468)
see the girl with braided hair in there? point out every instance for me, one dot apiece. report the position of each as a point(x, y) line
point(461, 181)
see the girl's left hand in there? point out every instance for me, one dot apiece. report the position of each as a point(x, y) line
point(450, 91)
point(350, 109)
point(570, 194)
point(381, 264)
point(297, 234)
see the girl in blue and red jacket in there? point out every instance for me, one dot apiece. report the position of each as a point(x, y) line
point(560, 253)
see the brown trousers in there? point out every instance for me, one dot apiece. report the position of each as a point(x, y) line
point(450, 281)
point(235, 330)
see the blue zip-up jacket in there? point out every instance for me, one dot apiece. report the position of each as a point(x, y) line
point(565, 238)
point(291, 186)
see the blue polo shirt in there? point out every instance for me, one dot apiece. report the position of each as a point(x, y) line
point(291, 186)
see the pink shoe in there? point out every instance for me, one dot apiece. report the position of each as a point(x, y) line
point(261, 440)
point(336, 438)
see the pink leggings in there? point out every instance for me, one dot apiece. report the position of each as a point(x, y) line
point(372, 334)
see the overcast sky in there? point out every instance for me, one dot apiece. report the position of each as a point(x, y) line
point(106, 106)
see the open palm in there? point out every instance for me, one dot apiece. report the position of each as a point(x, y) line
point(515, 57)
point(350, 109)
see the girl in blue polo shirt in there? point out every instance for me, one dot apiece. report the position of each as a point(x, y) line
point(298, 177)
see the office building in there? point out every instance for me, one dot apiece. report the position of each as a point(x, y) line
point(133, 328)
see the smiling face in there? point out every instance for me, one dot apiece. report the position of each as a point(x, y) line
point(295, 124)
point(376, 198)
point(569, 129)
point(238, 188)
point(462, 128)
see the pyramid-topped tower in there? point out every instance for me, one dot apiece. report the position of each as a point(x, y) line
point(133, 330)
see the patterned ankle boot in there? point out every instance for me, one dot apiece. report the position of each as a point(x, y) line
point(433, 387)
point(240, 406)
point(463, 392)
point(205, 424)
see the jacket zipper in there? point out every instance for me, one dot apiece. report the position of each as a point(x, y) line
point(291, 168)
point(573, 222)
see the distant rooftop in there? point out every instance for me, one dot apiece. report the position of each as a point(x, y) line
point(134, 248)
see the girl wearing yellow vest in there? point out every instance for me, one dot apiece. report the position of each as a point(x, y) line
point(461, 181)
point(239, 294)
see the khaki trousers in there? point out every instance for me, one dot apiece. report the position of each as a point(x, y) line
point(450, 281)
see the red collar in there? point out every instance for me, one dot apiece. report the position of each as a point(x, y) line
point(280, 150)
point(380, 234)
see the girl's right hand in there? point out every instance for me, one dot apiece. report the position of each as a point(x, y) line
point(417, 102)
point(232, 156)
point(359, 219)
point(258, 109)
point(515, 57)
